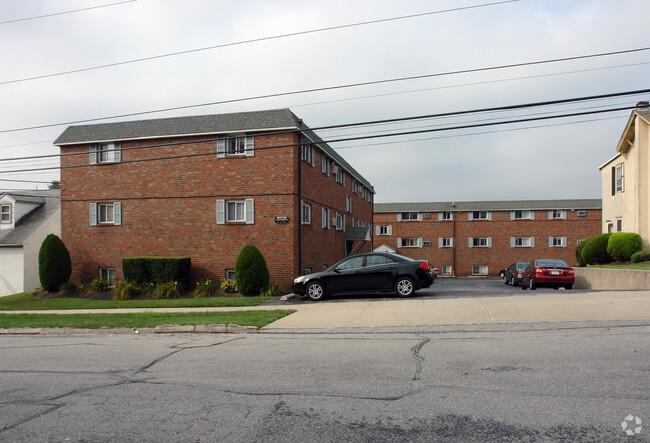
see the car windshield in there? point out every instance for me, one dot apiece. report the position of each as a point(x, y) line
point(522, 266)
point(551, 263)
point(351, 263)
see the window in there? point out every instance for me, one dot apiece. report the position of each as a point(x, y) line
point(408, 216)
point(480, 215)
point(480, 242)
point(325, 218)
point(445, 242)
point(479, 270)
point(230, 274)
point(619, 178)
point(557, 214)
point(5, 213)
point(582, 213)
point(446, 270)
point(619, 225)
point(105, 153)
point(236, 211)
point(375, 260)
point(236, 145)
point(522, 242)
point(355, 186)
point(105, 214)
point(413, 242)
point(445, 215)
point(348, 203)
point(610, 227)
point(325, 165)
point(426, 243)
point(557, 242)
point(339, 176)
point(351, 263)
point(522, 215)
point(307, 154)
point(305, 213)
point(108, 274)
point(384, 230)
point(339, 222)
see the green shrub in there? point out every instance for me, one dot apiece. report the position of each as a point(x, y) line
point(167, 290)
point(640, 256)
point(125, 290)
point(205, 288)
point(143, 270)
point(95, 286)
point(622, 245)
point(579, 248)
point(228, 286)
point(67, 288)
point(251, 272)
point(272, 290)
point(54, 264)
point(595, 250)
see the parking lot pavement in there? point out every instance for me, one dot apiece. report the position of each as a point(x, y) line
point(463, 302)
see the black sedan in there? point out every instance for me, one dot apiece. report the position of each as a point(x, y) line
point(367, 273)
point(514, 273)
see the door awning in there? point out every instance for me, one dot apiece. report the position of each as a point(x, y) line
point(357, 234)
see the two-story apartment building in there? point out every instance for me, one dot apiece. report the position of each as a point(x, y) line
point(481, 238)
point(205, 186)
point(626, 179)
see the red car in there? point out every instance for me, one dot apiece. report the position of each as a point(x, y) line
point(548, 272)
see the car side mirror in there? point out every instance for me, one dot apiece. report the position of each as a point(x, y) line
point(337, 270)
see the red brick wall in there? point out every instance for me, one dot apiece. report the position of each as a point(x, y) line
point(500, 228)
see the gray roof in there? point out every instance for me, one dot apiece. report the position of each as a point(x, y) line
point(277, 119)
point(489, 205)
point(50, 203)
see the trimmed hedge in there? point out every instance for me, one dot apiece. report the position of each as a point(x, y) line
point(54, 264)
point(157, 269)
point(640, 256)
point(579, 248)
point(251, 272)
point(594, 252)
point(622, 245)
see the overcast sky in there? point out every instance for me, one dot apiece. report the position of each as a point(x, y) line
point(552, 159)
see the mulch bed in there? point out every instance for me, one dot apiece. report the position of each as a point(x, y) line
point(108, 295)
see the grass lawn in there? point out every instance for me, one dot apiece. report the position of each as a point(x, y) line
point(140, 320)
point(643, 266)
point(28, 301)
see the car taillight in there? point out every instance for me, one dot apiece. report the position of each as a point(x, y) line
point(424, 265)
point(570, 271)
point(519, 274)
point(539, 271)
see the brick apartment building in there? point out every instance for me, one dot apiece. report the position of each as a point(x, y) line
point(481, 238)
point(205, 186)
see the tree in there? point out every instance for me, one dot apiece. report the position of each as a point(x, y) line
point(54, 264)
point(54, 185)
point(251, 272)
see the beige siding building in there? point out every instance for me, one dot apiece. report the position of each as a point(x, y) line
point(626, 178)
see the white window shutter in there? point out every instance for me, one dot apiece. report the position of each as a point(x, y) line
point(221, 148)
point(489, 242)
point(117, 213)
point(532, 242)
point(563, 214)
point(439, 216)
point(512, 242)
point(323, 218)
point(399, 216)
point(470, 216)
point(532, 215)
point(512, 215)
point(328, 219)
point(453, 242)
point(250, 146)
point(550, 215)
point(93, 214)
point(93, 154)
point(343, 222)
point(117, 153)
point(377, 230)
point(399, 242)
point(249, 205)
point(390, 230)
point(470, 243)
point(489, 215)
point(420, 242)
point(550, 242)
point(221, 212)
point(440, 242)
point(419, 216)
point(564, 242)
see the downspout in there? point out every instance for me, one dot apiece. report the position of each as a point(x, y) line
point(453, 250)
point(299, 221)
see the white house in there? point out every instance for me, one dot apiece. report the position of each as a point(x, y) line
point(26, 218)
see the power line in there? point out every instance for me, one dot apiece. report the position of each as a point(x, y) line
point(347, 139)
point(256, 40)
point(330, 88)
point(65, 12)
point(386, 121)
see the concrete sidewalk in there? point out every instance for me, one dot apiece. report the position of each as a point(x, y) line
point(558, 306)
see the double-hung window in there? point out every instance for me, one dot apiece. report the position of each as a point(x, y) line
point(557, 214)
point(480, 215)
point(105, 214)
point(522, 215)
point(412, 242)
point(348, 203)
point(105, 153)
point(479, 270)
point(339, 222)
point(445, 215)
point(108, 274)
point(305, 213)
point(445, 242)
point(522, 242)
point(446, 270)
point(408, 216)
point(236, 211)
point(480, 242)
point(325, 218)
point(325, 165)
point(236, 145)
point(618, 178)
point(384, 230)
point(5, 213)
point(557, 242)
point(307, 153)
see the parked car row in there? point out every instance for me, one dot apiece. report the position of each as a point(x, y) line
point(371, 272)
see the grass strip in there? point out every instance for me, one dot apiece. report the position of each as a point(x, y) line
point(140, 320)
point(27, 301)
point(643, 266)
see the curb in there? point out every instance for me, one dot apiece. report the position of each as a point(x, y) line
point(160, 329)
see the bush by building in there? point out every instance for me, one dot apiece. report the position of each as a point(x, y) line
point(640, 256)
point(594, 252)
point(622, 245)
point(54, 264)
point(579, 248)
point(157, 270)
point(251, 272)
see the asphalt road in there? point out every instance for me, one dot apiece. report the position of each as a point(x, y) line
point(559, 382)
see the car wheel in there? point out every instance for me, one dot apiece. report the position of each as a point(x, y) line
point(404, 287)
point(523, 286)
point(531, 285)
point(315, 291)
